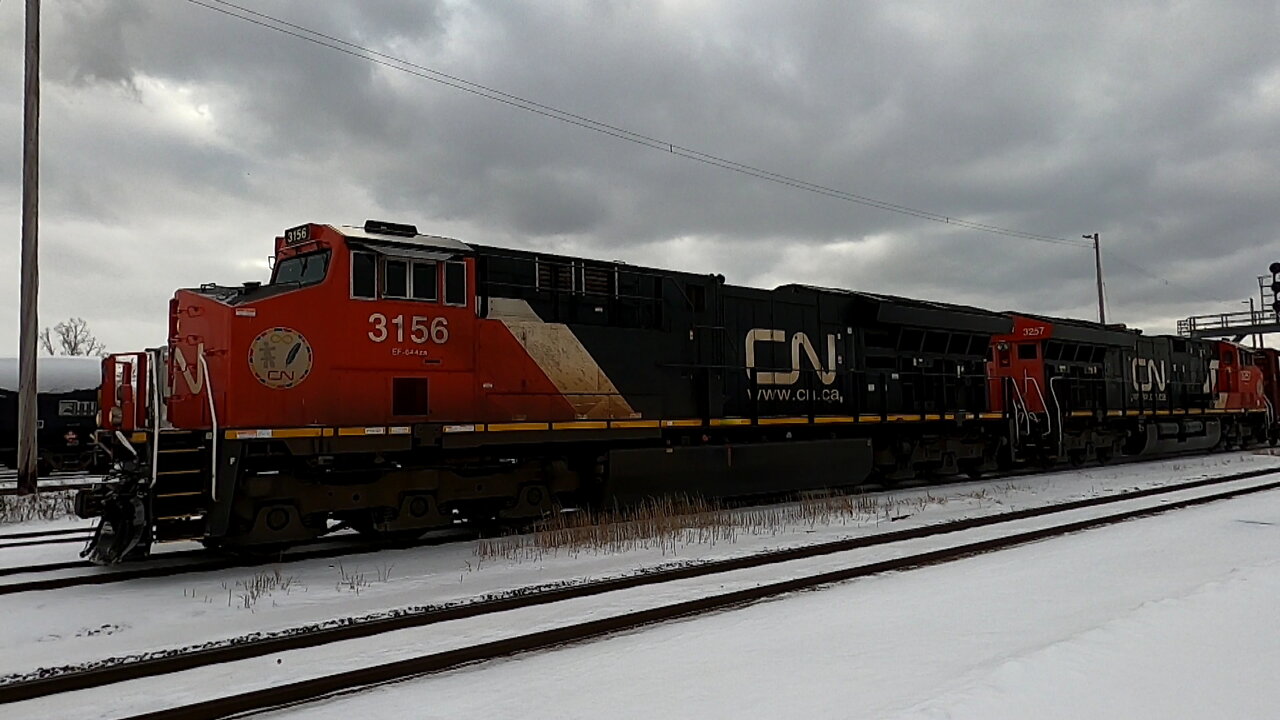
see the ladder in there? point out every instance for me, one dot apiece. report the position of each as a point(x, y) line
point(179, 494)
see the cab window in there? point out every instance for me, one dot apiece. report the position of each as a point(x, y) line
point(302, 269)
point(364, 275)
point(425, 280)
point(455, 283)
point(395, 279)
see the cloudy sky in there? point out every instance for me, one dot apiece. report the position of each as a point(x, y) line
point(178, 141)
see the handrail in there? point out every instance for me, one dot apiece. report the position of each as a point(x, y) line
point(152, 371)
point(1047, 417)
point(1057, 406)
point(213, 418)
point(1018, 399)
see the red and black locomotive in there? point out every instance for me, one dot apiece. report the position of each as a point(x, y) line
point(395, 382)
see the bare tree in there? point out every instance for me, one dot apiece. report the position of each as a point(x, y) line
point(45, 338)
point(72, 337)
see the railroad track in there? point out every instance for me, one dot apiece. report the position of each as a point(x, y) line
point(56, 481)
point(44, 537)
point(190, 561)
point(1132, 506)
point(176, 563)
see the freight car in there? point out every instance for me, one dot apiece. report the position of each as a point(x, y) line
point(66, 412)
point(394, 382)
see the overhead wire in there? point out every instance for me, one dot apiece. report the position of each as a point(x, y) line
point(399, 64)
point(392, 62)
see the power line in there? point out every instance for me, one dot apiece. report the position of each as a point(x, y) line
point(399, 64)
point(367, 54)
point(1165, 281)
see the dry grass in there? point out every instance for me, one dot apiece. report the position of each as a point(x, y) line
point(51, 505)
point(247, 592)
point(669, 524)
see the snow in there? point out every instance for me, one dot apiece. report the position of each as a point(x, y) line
point(921, 631)
point(1161, 618)
point(201, 607)
point(55, 374)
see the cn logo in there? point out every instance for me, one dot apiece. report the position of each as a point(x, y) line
point(799, 342)
point(1154, 378)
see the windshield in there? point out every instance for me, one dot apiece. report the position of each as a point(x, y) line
point(302, 269)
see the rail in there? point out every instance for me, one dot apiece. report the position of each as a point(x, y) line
point(1245, 322)
point(318, 687)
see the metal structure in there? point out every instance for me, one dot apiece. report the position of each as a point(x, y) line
point(1234, 325)
point(1241, 324)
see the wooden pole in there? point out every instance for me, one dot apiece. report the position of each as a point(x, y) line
point(28, 327)
point(1097, 264)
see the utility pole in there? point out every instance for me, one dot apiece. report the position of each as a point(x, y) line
point(1097, 262)
point(28, 325)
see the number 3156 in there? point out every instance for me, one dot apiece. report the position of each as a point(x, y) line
point(421, 329)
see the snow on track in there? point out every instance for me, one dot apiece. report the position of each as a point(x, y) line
point(1168, 617)
point(179, 687)
point(77, 625)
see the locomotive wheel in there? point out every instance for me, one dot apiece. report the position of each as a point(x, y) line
point(367, 531)
point(1103, 455)
point(1075, 458)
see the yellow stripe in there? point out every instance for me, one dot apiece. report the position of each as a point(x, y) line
point(511, 427)
point(247, 434)
point(1081, 413)
point(1161, 412)
point(327, 432)
point(1133, 412)
point(581, 425)
point(1114, 413)
point(869, 418)
point(628, 424)
point(138, 437)
point(783, 421)
point(296, 432)
point(349, 431)
point(991, 416)
point(1194, 411)
point(730, 421)
point(834, 419)
point(681, 423)
point(905, 417)
point(932, 416)
point(449, 429)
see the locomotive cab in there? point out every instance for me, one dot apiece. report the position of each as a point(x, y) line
point(357, 325)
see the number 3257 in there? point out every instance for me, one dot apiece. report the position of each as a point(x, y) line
point(421, 329)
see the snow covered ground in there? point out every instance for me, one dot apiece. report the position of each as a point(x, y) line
point(1166, 617)
point(85, 624)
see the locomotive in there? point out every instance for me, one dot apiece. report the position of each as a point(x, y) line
point(393, 382)
point(66, 413)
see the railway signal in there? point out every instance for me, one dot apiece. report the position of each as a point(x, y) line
point(1275, 286)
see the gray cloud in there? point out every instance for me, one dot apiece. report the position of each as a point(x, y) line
point(178, 141)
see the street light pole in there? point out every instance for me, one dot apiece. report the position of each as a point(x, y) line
point(1097, 263)
point(28, 325)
